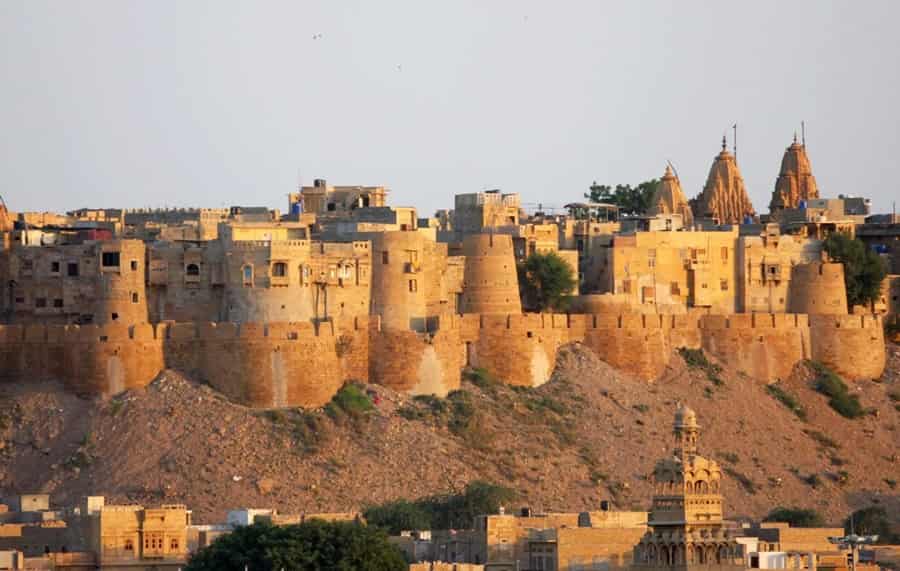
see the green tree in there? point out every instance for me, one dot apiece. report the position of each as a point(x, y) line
point(460, 510)
point(546, 281)
point(397, 516)
point(630, 200)
point(308, 546)
point(797, 517)
point(442, 511)
point(873, 520)
point(863, 269)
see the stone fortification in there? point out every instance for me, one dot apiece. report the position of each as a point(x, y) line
point(818, 288)
point(851, 345)
point(300, 364)
point(398, 280)
point(87, 359)
point(491, 283)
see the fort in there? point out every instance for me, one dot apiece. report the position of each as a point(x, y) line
point(303, 364)
point(282, 310)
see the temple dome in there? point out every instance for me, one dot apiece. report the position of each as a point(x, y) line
point(670, 199)
point(795, 180)
point(724, 197)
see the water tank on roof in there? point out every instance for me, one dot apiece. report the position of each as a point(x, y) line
point(802, 205)
point(297, 208)
point(748, 219)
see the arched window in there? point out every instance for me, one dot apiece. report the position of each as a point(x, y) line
point(247, 275)
point(192, 270)
point(129, 545)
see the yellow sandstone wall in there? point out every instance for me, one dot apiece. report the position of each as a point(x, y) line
point(851, 345)
point(764, 346)
point(88, 359)
point(491, 284)
point(417, 363)
point(301, 364)
point(818, 288)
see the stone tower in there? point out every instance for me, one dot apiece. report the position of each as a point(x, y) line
point(398, 280)
point(670, 199)
point(795, 181)
point(686, 527)
point(490, 284)
point(817, 288)
point(724, 197)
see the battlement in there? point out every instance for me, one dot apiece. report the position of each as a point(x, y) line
point(632, 321)
point(847, 321)
point(272, 364)
point(247, 245)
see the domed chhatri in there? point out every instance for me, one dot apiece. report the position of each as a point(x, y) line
point(670, 199)
point(685, 416)
point(724, 198)
point(686, 526)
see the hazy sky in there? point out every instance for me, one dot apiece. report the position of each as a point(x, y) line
point(159, 103)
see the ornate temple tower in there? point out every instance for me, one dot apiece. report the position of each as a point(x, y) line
point(670, 199)
point(686, 527)
point(795, 181)
point(724, 197)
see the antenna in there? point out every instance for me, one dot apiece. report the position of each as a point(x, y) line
point(803, 133)
point(735, 141)
point(668, 162)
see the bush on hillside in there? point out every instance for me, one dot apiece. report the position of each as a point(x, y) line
point(830, 384)
point(790, 401)
point(696, 359)
point(351, 402)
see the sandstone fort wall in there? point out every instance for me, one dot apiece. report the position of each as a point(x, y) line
point(304, 364)
point(851, 345)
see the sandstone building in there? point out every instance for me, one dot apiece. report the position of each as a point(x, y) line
point(686, 525)
point(282, 310)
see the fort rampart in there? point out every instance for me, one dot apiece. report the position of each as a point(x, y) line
point(304, 364)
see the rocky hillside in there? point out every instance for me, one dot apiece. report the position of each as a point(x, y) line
point(591, 433)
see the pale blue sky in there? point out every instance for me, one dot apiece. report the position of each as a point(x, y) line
point(119, 103)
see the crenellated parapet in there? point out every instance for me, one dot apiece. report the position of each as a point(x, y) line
point(279, 364)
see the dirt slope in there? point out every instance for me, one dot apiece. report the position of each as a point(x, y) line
point(591, 433)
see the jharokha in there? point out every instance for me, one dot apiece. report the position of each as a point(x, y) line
point(280, 309)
